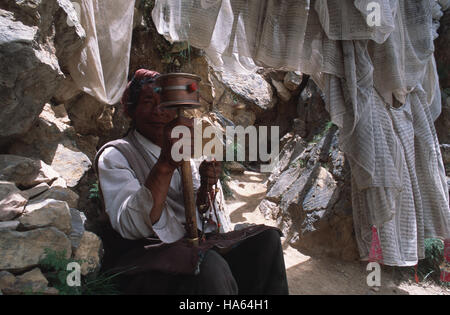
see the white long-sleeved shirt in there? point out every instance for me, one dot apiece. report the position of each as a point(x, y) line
point(128, 203)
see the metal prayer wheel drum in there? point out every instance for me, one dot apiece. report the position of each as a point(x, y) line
point(179, 90)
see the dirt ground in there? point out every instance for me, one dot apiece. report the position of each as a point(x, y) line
point(318, 275)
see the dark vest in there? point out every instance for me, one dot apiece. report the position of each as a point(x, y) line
point(150, 254)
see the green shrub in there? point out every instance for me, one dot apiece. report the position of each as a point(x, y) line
point(94, 191)
point(54, 266)
point(321, 134)
point(224, 179)
point(434, 255)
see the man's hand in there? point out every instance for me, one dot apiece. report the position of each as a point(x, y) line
point(168, 142)
point(209, 175)
point(158, 180)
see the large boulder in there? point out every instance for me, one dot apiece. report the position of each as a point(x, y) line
point(309, 197)
point(70, 163)
point(292, 145)
point(251, 87)
point(35, 41)
point(242, 98)
point(90, 252)
point(292, 80)
point(69, 35)
point(89, 116)
point(31, 282)
point(283, 93)
point(24, 250)
point(9, 225)
point(28, 76)
point(35, 191)
point(286, 179)
point(53, 140)
point(445, 150)
point(47, 213)
point(25, 172)
point(56, 20)
point(59, 193)
point(78, 221)
point(12, 202)
point(7, 280)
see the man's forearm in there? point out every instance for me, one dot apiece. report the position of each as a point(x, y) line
point(158, 182)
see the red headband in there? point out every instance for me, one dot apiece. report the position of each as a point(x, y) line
point(139, 76)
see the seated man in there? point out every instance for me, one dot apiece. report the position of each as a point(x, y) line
point(143, 197)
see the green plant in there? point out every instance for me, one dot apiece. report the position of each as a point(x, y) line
point(224, 179)
point(235, 99)
point(302, 163)
point(146, 6)
point(54, 265)
point(299, 163)
point(102, 284)
point(429, 266)
point(321, 134)
point(94, 191)
point(446, 92)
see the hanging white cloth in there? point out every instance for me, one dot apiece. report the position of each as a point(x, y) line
point(100, 67)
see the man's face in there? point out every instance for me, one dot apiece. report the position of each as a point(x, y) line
point(150, 118)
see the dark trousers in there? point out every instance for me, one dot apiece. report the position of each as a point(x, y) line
point(254, 266)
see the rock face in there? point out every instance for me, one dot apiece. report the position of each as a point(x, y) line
point(53, 140)
point(445, 150)
point(88, 116)
point(250, 87)
point(7, 280)
point(310, 110)
point(90, 252)
point(309, 196)
point(25, 172)
point(32, 73)
point(71, 164)
point(12, 203)
point(32, 282)
point(22, 250)
point(292, 80)
point(48, 212)
point(78, 221)
point(282, 91)
point(59, 193)
point(35, 191)
point(241, 98)
point(35, 39)
point(9, 225)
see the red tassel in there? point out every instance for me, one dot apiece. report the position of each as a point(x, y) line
point(445, 266)
point(416, 277)
point(376, 254)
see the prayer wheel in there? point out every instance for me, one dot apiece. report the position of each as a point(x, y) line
point(181, 91)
